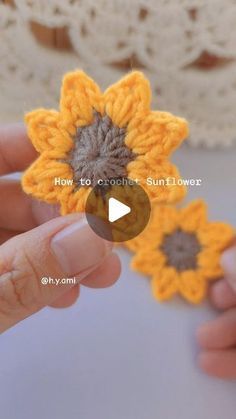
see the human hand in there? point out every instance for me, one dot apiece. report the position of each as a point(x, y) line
point(34, 244)
point(217, 338)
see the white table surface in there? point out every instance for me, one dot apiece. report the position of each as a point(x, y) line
point(117, 353)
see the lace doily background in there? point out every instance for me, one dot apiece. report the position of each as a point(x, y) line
point(187, 48)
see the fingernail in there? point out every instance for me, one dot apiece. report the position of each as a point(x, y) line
point(77, 248)
point(228, 262)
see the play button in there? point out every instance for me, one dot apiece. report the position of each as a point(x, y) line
point(118, 211)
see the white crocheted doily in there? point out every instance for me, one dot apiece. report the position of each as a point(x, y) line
point(187, 48)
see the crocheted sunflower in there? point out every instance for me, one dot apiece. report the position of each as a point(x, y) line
point(101, 136)
point(181, 251)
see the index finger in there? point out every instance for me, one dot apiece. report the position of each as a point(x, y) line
point(16, 151)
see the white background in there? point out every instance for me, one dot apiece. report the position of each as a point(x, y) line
point(117, 353)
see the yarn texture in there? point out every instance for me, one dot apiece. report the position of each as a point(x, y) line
point(180, 250)
point(187, 48)
point(99, 135)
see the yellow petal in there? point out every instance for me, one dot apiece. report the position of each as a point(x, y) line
point(148, 261)
point(209, 264)
point(165, 218)
point(164, 284)
point(80, 96)
point(216, 235)
point(74, 201)
point(39, 179)
point(127, 97)
point(149, 169)
point(160, 131)
point(44, 132)
point(192, 286)
point(193, 216)
point(151, 236)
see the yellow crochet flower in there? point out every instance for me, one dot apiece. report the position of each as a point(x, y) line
point(181, 250)
point(104, 136)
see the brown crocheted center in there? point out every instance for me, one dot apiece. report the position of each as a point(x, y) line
point(100, 152)
point(181, 250)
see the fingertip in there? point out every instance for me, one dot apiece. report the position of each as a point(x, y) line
point(222, 296)
point(17, 152)
point(68, 299)
point(106, 274)
point(228, 263)
point(217, 293)
point(218, 363)
point(228, 260)
point(211, 364)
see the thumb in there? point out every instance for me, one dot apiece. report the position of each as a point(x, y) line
point(228, 262)
point(64, 247)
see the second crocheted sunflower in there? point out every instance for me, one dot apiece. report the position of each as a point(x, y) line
point(180, 249)
point(101, 136)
